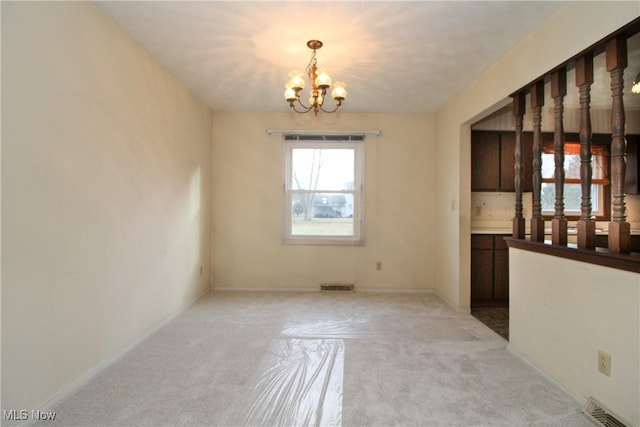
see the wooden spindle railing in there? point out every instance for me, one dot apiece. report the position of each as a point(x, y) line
point(518, 113)
point(537, 221)
point(584, 79)
point(619, 253)
point(558, 92)
point(619, 229)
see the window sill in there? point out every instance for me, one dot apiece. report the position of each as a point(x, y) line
point(322, 241)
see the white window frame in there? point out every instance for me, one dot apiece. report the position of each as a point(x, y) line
point(358, 193)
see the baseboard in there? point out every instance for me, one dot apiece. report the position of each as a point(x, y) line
point(83, 379)
point(454, 308)
point(580, 399)
point(317, 289)
point(395, 291)
point(265, 289)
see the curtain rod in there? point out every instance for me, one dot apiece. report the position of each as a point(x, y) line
point(321, 132)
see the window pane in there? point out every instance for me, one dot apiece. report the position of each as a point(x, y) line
point(322, 169)
point(572, 166)
point(324, 193)
point(599, 166)
point(572, 197)
point(322, 214)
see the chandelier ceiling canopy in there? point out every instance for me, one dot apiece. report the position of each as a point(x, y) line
point(320, 82)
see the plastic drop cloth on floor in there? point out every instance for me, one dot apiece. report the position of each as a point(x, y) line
point(335, 328)
point(301, 379)
point(300, 384)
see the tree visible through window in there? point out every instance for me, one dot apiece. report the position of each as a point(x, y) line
point(323, 192)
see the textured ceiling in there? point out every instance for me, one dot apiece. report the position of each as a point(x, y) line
point(398, 57)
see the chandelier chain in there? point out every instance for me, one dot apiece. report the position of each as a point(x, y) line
point(313, 64)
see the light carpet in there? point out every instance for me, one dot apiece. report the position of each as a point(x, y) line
point(352, 359)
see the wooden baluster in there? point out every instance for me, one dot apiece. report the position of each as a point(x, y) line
point(619, 229)
point(558, 92)
point(518, 113)
point(537, 221)
point(584, 80)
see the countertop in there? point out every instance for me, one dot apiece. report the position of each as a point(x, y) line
point(494, 229)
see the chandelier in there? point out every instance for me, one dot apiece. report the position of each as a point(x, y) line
point(320, 82)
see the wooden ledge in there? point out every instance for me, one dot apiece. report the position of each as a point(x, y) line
point(599, 256)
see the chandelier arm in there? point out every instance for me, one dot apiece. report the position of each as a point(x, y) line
point(338, 105)
point(302, 105)
point(306, 110)
point(330, 111)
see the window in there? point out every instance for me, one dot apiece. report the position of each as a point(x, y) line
point(572, 189)
point(324, 190)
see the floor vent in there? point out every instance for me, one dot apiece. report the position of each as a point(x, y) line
point(337, 287)
point(600, 415)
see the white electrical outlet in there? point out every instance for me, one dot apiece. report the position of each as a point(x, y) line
point(604, 363)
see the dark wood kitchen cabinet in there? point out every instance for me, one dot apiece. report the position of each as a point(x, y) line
point(489, 269)
point(632, 181)
point(500, 269)
point(485, 161)
point(492, 161)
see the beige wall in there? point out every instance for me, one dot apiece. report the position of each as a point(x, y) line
point(247, 206)
point(563, 311)
point(105, 196)
point(107, 189)
point(573, 28)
